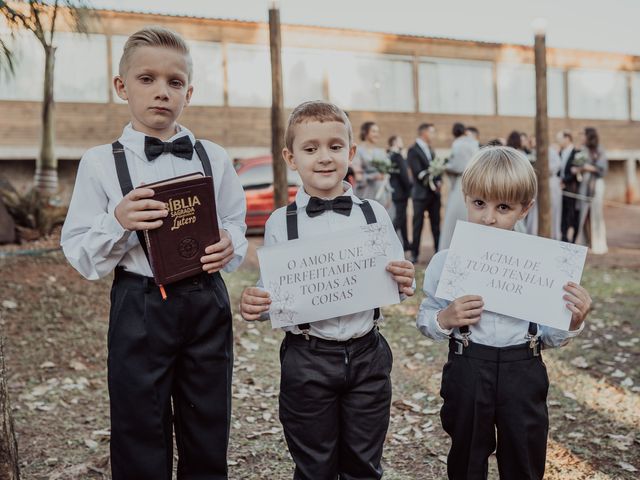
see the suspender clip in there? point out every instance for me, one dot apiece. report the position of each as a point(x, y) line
point(460, 347)
point(534, 344)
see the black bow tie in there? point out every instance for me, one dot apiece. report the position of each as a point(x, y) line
point(180, 147)
point(341, 205)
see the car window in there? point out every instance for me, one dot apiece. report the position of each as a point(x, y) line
point(262, 176)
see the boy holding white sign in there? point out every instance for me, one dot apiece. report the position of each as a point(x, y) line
point(495, 380)
point(335, 389)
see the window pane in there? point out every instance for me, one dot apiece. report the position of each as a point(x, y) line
point(598, 94)
point(517, 90)
point(450, 86)
point(555, 92)
point(249, 75)
point(302, 73)
point(207, 73)
point(362, 82)
point(635, 95)
point(28, 79)
point(80, 71)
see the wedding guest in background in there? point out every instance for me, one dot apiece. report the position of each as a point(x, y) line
point(570, 184)
point(514, 140)
point(496, 142)
point(368, 177)
point(474, 133)
point(462, 149)
point(401, 188)
point(592, 230)
point(425, 193)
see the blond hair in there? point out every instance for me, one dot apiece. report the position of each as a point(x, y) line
point(319, 111)
point(500, 174)
point(155, 36)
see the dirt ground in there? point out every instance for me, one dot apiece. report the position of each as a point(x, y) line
point(55, 326)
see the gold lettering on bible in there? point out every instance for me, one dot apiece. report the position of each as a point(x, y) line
point(183, 210)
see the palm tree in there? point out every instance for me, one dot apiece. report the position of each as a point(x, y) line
point(40, 17)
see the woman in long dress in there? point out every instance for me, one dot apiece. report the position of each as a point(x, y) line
point(462, 149)
point(592, 230)
point(368, 167)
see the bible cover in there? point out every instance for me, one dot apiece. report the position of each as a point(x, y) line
point(176, 247)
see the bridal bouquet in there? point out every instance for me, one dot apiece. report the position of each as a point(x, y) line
point(436, 169)
point(381, 163)
point(580, 159)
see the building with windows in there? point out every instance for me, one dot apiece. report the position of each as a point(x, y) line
point(397, 81)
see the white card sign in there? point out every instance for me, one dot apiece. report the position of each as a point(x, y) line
point(331, 275)
point(516, 274)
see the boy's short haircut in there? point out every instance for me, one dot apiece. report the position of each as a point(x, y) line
point(500, 174)
point(155, 36)
point(319, 111)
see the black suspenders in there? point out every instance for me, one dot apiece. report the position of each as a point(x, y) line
point(532, 331)
point(292, 234)
point(125, 178)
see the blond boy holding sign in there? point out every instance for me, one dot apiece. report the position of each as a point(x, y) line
point(495, 380)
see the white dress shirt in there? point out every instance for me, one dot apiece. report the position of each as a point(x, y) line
point(93, 240)
point(347, 326)
point(493, 329)
point(425, 148)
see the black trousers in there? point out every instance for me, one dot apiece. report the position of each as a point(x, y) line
point(179, 350)
point(432, 205)
point(335, 400)
point(482, 397)
point(400, 221)
point(570, 218)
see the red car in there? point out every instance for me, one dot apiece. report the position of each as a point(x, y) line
point(256, 176)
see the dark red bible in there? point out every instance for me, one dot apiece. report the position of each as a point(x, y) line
point(192, 225)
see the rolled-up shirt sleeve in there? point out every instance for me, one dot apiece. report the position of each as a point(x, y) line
point(553, 337)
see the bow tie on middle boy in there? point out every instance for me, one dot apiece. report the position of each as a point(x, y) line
point(341, 205)
point(180, 147)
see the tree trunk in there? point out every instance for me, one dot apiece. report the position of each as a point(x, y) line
point(46, 177)
point(8, 446)
point(542, 138)
point(280, 184)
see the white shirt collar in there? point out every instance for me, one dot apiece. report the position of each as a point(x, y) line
point(302, 197)
point(425, 148)
point(134, 140)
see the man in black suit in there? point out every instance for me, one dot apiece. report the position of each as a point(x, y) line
point(401, 185)
point(570, 184)
point(424, 197)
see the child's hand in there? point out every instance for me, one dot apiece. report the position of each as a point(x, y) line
point(403, 273)
point(136, 211)
point(218, 254)
point(462, 311)
point(579, 303)
point(253, 303)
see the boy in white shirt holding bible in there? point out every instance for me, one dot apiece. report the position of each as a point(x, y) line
point(169, 361)
point(335, 389)
point(495, 381)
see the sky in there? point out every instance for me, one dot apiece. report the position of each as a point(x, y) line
point(601, 25)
